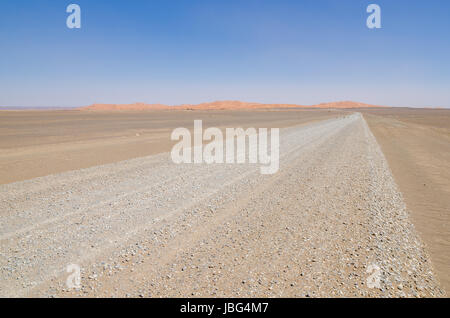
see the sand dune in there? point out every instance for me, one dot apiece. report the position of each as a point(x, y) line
point(224, 105)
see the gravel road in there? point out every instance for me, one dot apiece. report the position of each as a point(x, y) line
point(322, 226)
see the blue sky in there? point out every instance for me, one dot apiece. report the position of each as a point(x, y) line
point(191, 51)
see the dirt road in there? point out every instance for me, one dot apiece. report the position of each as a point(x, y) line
point(322, 226)
point(39, 143)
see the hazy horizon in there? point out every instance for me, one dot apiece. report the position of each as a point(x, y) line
point(2, 107)
point(291, 52)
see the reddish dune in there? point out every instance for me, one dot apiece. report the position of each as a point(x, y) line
point(236, 105)
point(345, 104)
point(222, 105)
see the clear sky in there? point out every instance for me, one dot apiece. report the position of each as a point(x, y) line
point(191, 51)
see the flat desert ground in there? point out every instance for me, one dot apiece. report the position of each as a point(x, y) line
point(38, 143)
point(416, 143)
point(361, 198)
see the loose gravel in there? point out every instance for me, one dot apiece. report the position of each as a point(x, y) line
point(149, 228)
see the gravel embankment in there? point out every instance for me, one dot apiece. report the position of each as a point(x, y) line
point(147, 227)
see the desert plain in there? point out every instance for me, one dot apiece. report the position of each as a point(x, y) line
point(360, 192)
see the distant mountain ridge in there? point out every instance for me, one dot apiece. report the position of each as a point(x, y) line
point(224, 105)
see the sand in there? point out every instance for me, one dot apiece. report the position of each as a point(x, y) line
point(39, 143)
point(147, 227)
point(416, 143)
point(310, 230)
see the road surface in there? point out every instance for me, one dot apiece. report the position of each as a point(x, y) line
point(330, 222)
